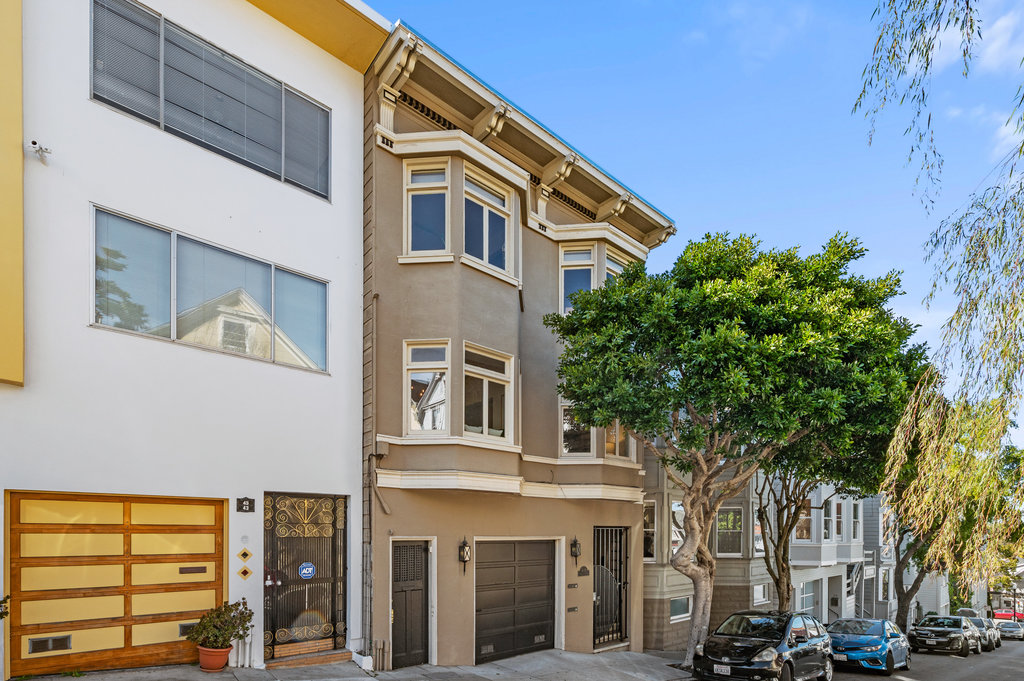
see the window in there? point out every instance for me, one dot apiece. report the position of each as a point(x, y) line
point(884, 592)
point(678, 515)
point(614, 264)
point(826, 526)
point(803, 525)
point(808, 591)
point(577, 272)
point(426, 188)
point(487, 399)
point(758, 535)
point(157, 71)
point(679, 609)
point(222, 300)
point(798, 628)
point(650, 531)
point(839, 520)
point(576, 438)
point(487, 222)
point(760, 593)
point(426, 371)
point(617, 441)
point(730, 532)
point(856, 520)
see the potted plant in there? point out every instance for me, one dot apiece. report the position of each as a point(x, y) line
point(214, 632)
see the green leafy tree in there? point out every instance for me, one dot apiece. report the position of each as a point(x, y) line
point(726, 359)
point(978, 253)
point(112, 301)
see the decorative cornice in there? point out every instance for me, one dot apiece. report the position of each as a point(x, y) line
point(508, 484)
point(590, 231)
point(556, 172)
point(449, 440)
point(613, 207)
point(489, 123)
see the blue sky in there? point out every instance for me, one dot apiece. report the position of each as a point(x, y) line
point(736, 116)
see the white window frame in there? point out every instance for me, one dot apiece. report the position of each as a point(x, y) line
point(827, 527)
point(410, 367)
point(884, 582)
point(562, 406)
point(409, 166)
point(653, 505)
point(630, 443)
point(589, 264)
point(689, 609)
point(855, 520)
point(808, 610)
point(840, 520)
point(755, 522)
point(718, 551)
point(505, 379)
point(763, 598)
point(671, 524)
point(486, 181)
point(611, 255)
point(810, 522)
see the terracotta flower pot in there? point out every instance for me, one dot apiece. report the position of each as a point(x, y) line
point(213, 659)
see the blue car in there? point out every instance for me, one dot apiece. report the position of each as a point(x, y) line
point(869, 644)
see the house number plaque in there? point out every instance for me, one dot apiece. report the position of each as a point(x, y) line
point(245, 505)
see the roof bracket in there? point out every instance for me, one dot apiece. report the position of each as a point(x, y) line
point(556, 172)
point(489, 124)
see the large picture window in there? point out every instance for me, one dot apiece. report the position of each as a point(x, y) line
point(426, 384)
point(487, 221)
point(487, 382)
point(157, 71)
point(730, 532)
point(576, 438)
point(221, 300)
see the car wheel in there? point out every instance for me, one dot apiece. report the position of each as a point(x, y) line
point(965, 648)
point(890, 664)
point(914, 649)
point(999, 643)
point(826, 672)
point(980, 649)
point(906, 663)
point(989, 646)
point(787, 673)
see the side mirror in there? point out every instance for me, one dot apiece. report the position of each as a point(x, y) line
point(894, 635)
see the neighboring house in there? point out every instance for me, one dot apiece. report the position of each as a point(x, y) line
point(877, 598)
point(180, 311)
point(494, 523)
point(933, 596)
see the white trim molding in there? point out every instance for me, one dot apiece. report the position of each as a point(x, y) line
point(589, 231)
point(508, 484)
point(414, 441)
point(592, 461)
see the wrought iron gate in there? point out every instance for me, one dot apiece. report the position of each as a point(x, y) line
point(611, 584)
point(304, 581)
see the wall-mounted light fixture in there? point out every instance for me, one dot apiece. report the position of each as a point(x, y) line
point(575, 550)
point(465, 554)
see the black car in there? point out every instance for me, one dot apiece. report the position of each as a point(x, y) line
point(765, 645)
point(946, 634)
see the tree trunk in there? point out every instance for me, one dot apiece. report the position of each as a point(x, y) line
point(784, 584)
point(905, 594)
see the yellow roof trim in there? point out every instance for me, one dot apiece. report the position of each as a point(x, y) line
point(351, 32)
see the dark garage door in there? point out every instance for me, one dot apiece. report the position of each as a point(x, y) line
point(515, 598)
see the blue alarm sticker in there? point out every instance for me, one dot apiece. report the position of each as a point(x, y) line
point(307, 570)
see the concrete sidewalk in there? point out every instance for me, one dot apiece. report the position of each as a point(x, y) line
point(549, 665)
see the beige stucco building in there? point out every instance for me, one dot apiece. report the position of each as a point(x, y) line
point(493, 524)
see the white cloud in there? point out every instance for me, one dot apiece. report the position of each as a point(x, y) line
point(762, 30)
point(1002, 44)
point(954, 112)
point(1006, 137)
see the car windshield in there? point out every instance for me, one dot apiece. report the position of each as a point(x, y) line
point(768, 627)
point(944, 622)
point(859, 627)
point(1009, 625)
point(977, 621)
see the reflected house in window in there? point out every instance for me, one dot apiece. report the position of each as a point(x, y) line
point(235, 322)
point(427, 396)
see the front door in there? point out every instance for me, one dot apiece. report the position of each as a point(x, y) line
point(304, 580)
point(409, 603)
point(611, 582)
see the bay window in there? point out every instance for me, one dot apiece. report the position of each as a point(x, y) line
point(577, 272)
point(488, 399)
point(730, 532)
point(576, 438)
point(426, 374)
point(803, 523)
point(487, 221)
point(839, 520)
point(426, 207)
point(650, 531)
point(617, 441)
point(826, 531)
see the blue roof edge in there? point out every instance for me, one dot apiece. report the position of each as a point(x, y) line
point(518, 108)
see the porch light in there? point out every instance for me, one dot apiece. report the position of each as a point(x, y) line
point(576, 550)
point(465, 554)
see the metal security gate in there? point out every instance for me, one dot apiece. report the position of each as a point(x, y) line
point(515, 598)
point(611, 584)
point(304, 584)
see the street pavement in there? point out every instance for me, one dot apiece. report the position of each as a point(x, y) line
point(1002, 664)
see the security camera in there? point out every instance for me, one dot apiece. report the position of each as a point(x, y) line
point(39, 150)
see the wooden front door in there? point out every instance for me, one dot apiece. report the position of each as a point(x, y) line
point(105, 582)
point(409, 608)
point(304, 580)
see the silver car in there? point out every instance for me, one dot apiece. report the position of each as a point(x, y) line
point(1011, 630)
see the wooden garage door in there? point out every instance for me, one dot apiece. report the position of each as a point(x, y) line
point(102, 582)
point(515, 598)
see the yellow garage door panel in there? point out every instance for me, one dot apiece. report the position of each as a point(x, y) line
point(53, 512)
point(52, 545)
point(173, 601)
point(167, 544)
point(157, 632)
point(173, 514)
point(71, 609)
point(82, 641)
point(172, 573)
point(71, 577)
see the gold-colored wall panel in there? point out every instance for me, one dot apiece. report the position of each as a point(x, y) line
point(168, 573)
point(173, 601)
point(57, 512)
point(173, 514)
point(51, 545)
point(157, 632)
point(82, 641)
point(71, 577)
point(166, 544)
point(71, 609)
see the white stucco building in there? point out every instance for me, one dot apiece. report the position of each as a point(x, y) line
point(191, 314)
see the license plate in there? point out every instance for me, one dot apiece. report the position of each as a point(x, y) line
point(932, 641)
point(840, 657)
point(723, 669)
